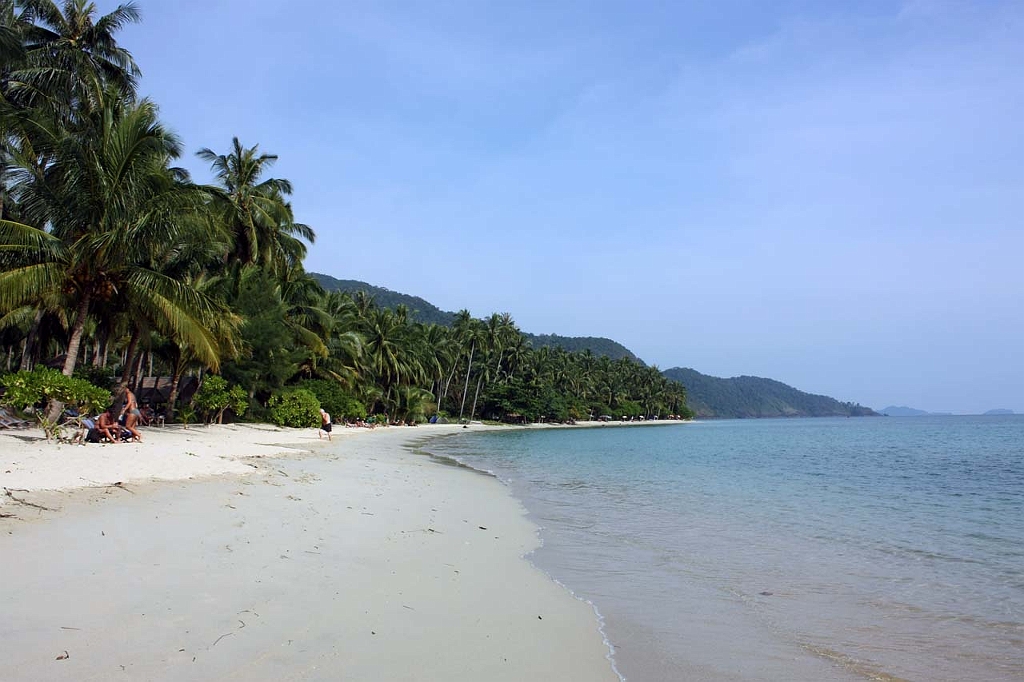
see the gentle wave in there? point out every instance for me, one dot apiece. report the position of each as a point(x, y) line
point(883, 548)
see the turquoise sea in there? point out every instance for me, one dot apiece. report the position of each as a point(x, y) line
point(801, 549)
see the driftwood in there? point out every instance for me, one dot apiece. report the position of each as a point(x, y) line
point(10, 494)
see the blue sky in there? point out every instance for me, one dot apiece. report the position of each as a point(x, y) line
point(825, 193)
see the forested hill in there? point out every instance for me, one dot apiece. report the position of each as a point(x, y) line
point(596, 344)
point(419, 309)
point(747, 397)
point(426, 312)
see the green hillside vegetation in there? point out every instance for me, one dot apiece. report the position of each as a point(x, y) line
point(419, 309)
point(595, 344)
point(116, 267)
point(423, 311)
point(750, 397)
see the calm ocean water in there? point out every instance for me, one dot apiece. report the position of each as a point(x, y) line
point(803, 549)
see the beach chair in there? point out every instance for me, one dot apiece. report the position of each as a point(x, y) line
point(9, 421)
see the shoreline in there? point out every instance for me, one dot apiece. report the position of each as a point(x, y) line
point(231, 462)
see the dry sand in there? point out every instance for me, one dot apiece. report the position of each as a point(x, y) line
point(283, 558)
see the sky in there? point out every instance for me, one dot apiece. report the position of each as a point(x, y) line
point(830, 194)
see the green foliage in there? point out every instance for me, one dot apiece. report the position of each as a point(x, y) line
point(186, 415)
point(423, 311)
point(294, 407)
point(597, 345)
point(97, 376)
point(420, 310)
point(414, 404)
point(333, 397)
point(215, 396)
point(43, 385)
point(270, 355)
point(108, 245)
point(36, 388)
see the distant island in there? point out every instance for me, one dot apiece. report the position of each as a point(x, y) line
point(904, 411)
point(749, 397)
point(893, 411)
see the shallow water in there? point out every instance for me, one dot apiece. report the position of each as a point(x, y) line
point(885, 548)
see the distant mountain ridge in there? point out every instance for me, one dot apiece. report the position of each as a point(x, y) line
point(423, 311)
point(709, 397)
point(748, 397)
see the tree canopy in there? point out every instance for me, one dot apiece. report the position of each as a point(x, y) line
point(116, 266)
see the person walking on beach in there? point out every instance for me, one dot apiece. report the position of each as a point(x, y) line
point(325, 424)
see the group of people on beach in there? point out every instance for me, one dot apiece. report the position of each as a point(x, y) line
point(371, 422)
point(117, 424)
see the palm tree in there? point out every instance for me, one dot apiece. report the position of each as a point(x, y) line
point(68, 59)
point(344, 361)
point(469, 332)
point(260, 220)
point(112, 205)
point(388, 349)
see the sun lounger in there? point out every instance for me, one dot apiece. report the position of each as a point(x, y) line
point(9, 421)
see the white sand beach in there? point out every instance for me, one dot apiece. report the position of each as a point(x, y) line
point(247, 552)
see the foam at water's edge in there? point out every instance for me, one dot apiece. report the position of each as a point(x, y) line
point(600, 618)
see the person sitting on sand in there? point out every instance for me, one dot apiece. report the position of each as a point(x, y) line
point(325, 424)
point(108, 427)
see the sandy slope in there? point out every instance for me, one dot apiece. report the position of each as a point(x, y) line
point(360, 561)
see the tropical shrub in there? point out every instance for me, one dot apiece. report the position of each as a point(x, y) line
point(294, 407)
point(186, 415)
point(42, 385)
point(414, 404)
point(215, 396)
point(341, 404)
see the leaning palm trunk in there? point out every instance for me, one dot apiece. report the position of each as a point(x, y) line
point(55, 407)
point(137, 384)
point(173, 397)
point(472, 412)
point(447, 384)
point(465, 388)
point(99, 358)
point(129, 360)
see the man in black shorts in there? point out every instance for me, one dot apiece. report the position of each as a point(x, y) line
point(325, 424)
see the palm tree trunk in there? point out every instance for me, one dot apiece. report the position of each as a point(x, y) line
point(497, 366)
point(129, 360)
point(55, 407)
point(173, 396)
point(465, 388)
point(472, 412)
point(76, 335)
point(30, 341)
point(447, 384)
point(99, 359)
point(137, 384)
